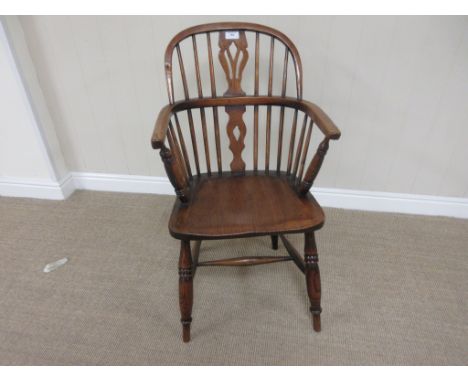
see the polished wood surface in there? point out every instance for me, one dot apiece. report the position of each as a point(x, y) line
point(244, 261)
point(250, 205)
point(267, 195)
point(295, 255)
point(312, 272)
point(185, 289)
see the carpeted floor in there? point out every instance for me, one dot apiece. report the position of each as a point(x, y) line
point(395, 290)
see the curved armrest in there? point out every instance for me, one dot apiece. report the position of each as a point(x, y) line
point(171, 159)
point(320, 118)
point(160, 127)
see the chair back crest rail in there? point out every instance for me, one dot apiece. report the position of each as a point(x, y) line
point(267, 131)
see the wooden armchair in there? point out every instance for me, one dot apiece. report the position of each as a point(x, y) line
point(270, 197)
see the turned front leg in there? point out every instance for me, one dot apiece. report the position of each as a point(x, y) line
point(312, 273)
point(185, 288)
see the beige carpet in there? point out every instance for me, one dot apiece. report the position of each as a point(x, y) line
point(395, 290)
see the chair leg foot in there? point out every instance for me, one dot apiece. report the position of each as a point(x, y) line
point(274, 242)
point(316, 322)
point(186, 331)
point(312, 273)
point(185, 289)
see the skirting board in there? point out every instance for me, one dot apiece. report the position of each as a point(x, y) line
point(37, 188)
point(327, 197)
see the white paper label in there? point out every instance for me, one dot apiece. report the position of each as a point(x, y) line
point(232, 35)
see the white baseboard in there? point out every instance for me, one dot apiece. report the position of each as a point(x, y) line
point(67, 185)
point(36, 188)
point(392, 202)
point(327, 197)
point(122, 183)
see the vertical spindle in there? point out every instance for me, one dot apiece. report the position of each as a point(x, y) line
point(184, 148)
point(189, 112)
point(292, 142)
point(202, 110)
point(257, 55)
point(281, 121)
point(299, 146)
point(305, 150)
point(215, 109)
point(268, 121)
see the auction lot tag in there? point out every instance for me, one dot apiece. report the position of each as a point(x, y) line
point(232, 35)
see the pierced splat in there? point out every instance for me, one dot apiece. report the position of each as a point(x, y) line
point(233, 56)
point(236, 132)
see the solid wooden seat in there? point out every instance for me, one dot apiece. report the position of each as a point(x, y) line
point(231, 206)
point(266, 192)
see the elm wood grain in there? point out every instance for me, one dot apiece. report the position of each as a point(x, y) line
point(241, 203)
point(241, 206)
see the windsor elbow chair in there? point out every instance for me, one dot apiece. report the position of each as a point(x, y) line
point(240, 201)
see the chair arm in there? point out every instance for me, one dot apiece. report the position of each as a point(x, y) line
point(160, 127)
point(170, 157)
point(331, 131)
point(321, 119)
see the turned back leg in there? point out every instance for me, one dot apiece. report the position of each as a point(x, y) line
point(185, 288)
point(274, 241)
point(312, 273)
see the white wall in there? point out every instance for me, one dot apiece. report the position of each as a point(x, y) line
point(396, 86)
point(21, 154)
point(31, 162)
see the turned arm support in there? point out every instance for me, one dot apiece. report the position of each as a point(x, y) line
point(331, 131)
point(314, 168)
point(170, 157)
